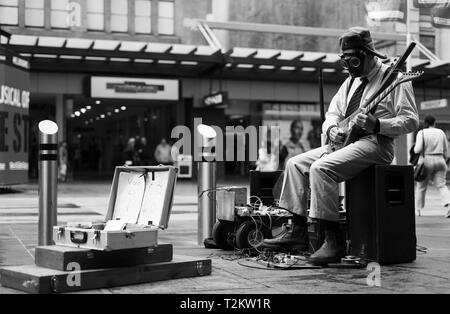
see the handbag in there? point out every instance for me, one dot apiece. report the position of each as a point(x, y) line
point(420, 172)
point(413, 157)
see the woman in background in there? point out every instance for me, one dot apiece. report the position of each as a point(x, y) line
point(294, 146)
point(435, 163)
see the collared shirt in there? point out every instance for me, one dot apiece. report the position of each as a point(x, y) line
point(397, 112)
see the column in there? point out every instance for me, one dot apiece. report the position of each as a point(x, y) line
point(60, 110)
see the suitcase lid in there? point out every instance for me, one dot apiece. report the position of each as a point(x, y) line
point(142, 195)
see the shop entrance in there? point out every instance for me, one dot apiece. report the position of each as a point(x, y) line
point(98, 134)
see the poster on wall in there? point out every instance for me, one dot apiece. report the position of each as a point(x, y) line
point(300, 127)
point(14, 121)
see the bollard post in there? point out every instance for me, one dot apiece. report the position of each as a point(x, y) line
point(206, 184)
point(48, 184)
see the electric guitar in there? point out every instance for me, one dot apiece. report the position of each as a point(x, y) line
point(351, 130)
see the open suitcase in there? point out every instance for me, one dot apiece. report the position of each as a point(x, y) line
point(139, 205)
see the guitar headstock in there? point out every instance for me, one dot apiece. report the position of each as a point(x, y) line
point(409, 76)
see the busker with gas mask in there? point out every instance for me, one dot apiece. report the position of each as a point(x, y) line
point(322, 172)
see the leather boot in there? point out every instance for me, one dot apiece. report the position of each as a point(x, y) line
point(293, 238)
point(333, 249)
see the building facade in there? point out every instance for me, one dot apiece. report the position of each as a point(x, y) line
point(138, 46)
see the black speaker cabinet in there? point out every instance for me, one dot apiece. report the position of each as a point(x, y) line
point(380, 213)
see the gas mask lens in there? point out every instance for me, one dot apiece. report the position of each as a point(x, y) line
point(350, 62)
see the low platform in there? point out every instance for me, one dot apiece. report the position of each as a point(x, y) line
point(38, 280)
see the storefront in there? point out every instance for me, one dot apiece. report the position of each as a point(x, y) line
point(99, 116)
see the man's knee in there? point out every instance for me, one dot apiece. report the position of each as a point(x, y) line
point(320, 169)
point(317, 167)
point(294, 163)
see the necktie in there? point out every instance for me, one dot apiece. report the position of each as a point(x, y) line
point(355, 102)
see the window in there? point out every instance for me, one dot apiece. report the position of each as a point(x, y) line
point(34, 13)
point(166, 18)
point(59, 13)
point(9, 12)
point(119, 16)
point(95, 15)
point(143, 13)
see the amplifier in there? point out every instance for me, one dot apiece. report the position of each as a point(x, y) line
point(263, 184)
point(380, 213)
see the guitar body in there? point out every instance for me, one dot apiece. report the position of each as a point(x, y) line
point(352, 134)
point(355, 133)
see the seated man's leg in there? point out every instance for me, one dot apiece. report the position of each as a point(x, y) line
point(294, 198)
point(325, 176)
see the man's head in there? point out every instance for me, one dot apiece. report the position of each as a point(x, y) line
point(358, 51)
point(430, 121)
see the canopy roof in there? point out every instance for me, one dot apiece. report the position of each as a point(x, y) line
point(99, 56)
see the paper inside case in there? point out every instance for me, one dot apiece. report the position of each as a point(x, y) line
point(141, 197)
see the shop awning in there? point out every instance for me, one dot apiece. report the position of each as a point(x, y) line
point(177, 60)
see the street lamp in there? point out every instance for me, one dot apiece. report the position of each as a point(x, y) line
point(48, 184)
point(206, 185)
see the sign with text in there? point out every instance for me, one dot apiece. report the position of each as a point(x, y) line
point(14, 125)
point(219, 99)
point(134, 88)
point(439, 10)
point(386, 10)
point(434, 104)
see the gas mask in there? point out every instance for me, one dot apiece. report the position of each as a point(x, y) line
point(354, 63)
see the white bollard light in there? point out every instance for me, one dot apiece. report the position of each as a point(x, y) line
point(207, 184)
point(48, 184)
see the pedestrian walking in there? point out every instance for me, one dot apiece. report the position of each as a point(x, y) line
point(63, 160)
point(130, 153)
point(144, 153)
point(432, 144)
point(163, 153)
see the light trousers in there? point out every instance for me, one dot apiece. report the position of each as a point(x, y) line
point(437, 171)
point(322, 173)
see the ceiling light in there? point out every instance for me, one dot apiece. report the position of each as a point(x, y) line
point(88, 107)
point(102, 116)
point(83, 110)
point(116, 110)
point(98, 102)
point(77, 113)
point(123, 108)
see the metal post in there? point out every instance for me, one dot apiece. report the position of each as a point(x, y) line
point(48, 184)
point(206, 185)
point(409, 137)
